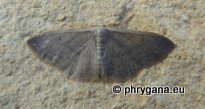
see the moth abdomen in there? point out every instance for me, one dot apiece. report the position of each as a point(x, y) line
point(101, 42)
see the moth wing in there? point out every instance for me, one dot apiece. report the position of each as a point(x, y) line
point(74, 52)
point(128, 52)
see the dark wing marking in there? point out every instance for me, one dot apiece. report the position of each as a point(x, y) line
point(73, 52)
point(127, 53)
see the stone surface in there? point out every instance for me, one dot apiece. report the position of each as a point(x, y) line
point(27, 82)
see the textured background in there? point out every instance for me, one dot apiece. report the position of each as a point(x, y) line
point(26, 82)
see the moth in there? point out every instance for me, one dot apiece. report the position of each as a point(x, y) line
point(101, 53)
